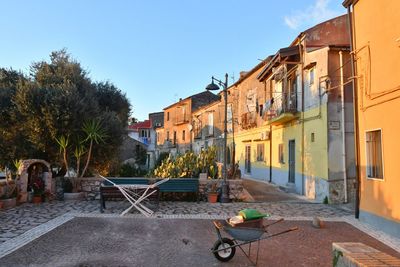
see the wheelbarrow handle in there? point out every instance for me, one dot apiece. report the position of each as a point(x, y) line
point(278, 221)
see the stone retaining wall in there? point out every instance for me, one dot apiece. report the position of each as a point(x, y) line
point(91, 187)
point(235, 188)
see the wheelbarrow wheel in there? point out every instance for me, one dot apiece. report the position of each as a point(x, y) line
point(226, 254)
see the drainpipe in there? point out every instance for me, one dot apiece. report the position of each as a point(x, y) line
point(355, 99)
point(302, 114)
point(343, 126)
point(270, 136)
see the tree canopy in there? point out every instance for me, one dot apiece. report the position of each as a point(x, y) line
point(56, 99)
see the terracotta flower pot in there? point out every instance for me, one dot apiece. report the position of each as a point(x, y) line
point(37, 199)
point(212, 197)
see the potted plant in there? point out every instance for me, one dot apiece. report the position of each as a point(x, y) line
point(38, 190)
point(94, 135)
point(9, 199)
point(212, 194)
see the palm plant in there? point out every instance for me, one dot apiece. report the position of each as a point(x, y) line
point(63, 143)
point(78, 153)
point(94, 134)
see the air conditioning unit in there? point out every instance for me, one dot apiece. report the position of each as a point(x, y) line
point(264, 135)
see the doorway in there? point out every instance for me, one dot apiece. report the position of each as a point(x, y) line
point(247, 160)
point(292, 161)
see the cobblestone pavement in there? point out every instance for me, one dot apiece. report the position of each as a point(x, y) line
point(18, 220)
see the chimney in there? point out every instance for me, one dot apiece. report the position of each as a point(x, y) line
point(242, 74)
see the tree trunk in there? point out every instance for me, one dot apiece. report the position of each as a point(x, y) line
point(66, 162)
point(88, 158)
point(78, 163)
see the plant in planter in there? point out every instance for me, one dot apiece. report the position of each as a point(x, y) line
point(9, 199)
point(212, 194)
point(94, 134)
point(38, 190)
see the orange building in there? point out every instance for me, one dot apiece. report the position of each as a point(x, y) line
point(375, 33)
point(208, 127)
point(175, 137)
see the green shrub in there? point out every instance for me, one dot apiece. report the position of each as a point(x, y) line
point(128, 170)
point(188, 165)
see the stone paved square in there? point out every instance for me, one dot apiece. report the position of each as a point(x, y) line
point(176, 242)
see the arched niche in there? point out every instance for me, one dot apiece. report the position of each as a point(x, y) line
point(30, 170)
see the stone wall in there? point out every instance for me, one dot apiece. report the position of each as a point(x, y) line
point(91, 187)
point(235, 188)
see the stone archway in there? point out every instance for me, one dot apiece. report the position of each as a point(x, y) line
point(26, 170)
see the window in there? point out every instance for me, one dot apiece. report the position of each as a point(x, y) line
point(183, 135)
point(312, 137)
point(167, 116)
point(260, 152)
point(261, 110)
point(144, 133)
point(174, 137)
point(210, 123)
point(312, 74)
point(374, 154)
point(167, 135)
point(281, 154)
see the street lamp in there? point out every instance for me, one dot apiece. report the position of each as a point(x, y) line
point(212, 87)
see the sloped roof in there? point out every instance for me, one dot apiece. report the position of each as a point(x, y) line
point(146, 124)
point(199, 100)
point(202, 99)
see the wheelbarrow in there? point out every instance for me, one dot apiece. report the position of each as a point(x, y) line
point(242, 234)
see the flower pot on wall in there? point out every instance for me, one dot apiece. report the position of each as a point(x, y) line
point(212, 197)
point(37, 199)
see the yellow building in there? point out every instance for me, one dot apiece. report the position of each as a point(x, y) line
point(295, 119)
point(376, 50)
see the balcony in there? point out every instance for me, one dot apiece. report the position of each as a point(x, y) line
point(249, 120)
point(169, 144)
point(283, 110)
point(181, 120)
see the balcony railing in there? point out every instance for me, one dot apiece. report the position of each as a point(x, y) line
point(283, 109)
point(181, 120)
point(169, 144)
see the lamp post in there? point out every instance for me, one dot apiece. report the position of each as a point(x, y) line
point(212, 87)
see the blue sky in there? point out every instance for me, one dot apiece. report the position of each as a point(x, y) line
point(156, 51)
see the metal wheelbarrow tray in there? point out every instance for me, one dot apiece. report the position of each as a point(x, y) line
point(242, 234)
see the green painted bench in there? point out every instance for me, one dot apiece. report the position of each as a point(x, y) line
point(109, 192)
point(181, 185)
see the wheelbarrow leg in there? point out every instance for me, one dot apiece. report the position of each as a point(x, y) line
point(244, 252)
point(258, 249)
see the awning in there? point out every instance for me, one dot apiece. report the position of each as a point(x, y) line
point(276, 60)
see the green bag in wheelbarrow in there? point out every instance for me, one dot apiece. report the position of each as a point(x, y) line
point(252, 214)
